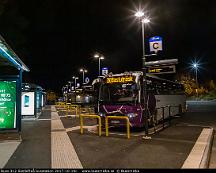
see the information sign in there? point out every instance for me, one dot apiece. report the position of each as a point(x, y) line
point(104, 71)
point(162, 69)
point(155, 43)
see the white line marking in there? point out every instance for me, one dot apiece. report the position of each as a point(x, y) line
point(6, 151)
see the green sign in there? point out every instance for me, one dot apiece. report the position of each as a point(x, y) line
point(7, 104)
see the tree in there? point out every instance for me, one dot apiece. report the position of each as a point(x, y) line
point(212, 85)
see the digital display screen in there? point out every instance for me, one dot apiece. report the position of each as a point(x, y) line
point(162, 69)
point(26, 101)
point(7, 104)
point(120, 79)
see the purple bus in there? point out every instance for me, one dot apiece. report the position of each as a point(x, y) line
point(121, 94)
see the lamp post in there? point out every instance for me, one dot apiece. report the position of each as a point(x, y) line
point(69, 82)
point(100, 57)
point(83, 73)
point(144, 21)
point(75, 78)
point(195, 66)
point(66, 94)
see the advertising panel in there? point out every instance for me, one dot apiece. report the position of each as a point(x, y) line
point(8, 104)
point(27, 103)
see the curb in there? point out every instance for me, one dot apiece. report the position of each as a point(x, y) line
point(206, 156)
point(200, 154)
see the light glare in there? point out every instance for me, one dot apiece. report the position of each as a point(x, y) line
point(96, 55)
point(146, 20)
point(139, 14)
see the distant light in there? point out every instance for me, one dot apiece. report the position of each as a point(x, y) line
point(102, 57)
point(83, 70)
point(74, 77)
point(146, 20)
point(195, 65)
point(96, 55)
point(139, 14)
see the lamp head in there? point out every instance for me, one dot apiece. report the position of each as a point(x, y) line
point(96, 55)
point(145, 20)
point(139, 14)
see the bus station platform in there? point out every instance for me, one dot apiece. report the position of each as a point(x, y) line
point(54, 141)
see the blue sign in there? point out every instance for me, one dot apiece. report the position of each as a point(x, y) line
point(87, 80)
point(104, 70)
point(155, 43)
point(155, 38)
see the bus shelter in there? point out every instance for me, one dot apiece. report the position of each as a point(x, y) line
point(11, 69)
point(32, 100)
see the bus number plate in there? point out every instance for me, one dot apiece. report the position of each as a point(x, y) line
point(115, 121)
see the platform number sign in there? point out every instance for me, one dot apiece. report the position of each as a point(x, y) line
point(7, 104)
point(105, 71)
point(155, 44)
point(87, 80)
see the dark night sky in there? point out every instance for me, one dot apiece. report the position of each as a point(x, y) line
point(56, 38)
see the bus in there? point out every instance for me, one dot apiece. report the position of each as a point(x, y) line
point(122, 94)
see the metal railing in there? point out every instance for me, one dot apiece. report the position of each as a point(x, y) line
point(82, 116)
point(117, 117)
point(71, 108)
point(169, 114)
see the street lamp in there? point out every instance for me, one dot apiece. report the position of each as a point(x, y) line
point(75, 83)
point(70, 85)
point(75, 79)
point(195, 66)
point(100, 57)
point(83, 72)
point(144, 21)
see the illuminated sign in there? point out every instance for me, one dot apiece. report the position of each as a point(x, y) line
point(28, 103)
point(123, 79)
point(155, 43)
point(162, 69)
point(7, 104)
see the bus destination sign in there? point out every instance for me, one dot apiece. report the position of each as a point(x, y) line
point(120, 79)
point(162, 69)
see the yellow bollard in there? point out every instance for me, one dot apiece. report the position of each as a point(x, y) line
point(106, 126)
point(117, 117)
point(81, 124)
point(82, 116)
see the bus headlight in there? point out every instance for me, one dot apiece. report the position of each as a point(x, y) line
point(132, 115)
point(101, 114)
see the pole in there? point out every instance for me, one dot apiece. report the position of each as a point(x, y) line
point(75, 88)
point(196, 77)
point(144, 80)
point(83, 76)
point(99, 66)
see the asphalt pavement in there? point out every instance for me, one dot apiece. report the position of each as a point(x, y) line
point(35, 148)
point(168, 148)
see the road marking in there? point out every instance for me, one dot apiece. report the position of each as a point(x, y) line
point(78, 127)
point(63, 154)
point(192, 125)
point(198, 153)
point(6, 151)
point(45, 119)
